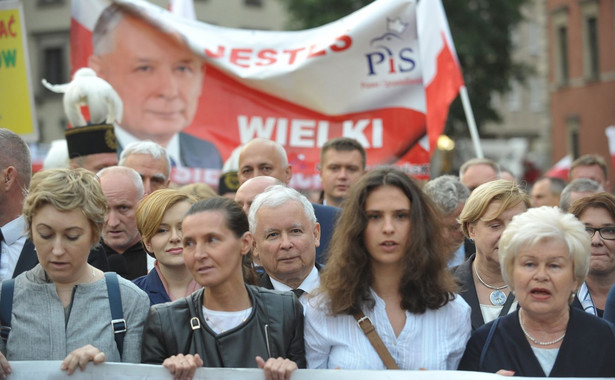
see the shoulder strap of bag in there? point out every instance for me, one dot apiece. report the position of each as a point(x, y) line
point(6, 308)
point(483, 353)
point(370, 331)
point(509, 301)
point(118, 323)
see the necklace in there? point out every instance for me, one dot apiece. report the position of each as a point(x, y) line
point(497, 296)
point(536, 341)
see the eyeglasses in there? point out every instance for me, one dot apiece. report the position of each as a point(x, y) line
point(607, 233)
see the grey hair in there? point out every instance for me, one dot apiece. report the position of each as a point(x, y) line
point(447, 192)
point(540, 224)
point(145, 147)
point(129, 172)
point(102, 35)
point(276, 196)
point(479, 161)
point(15, 152)
point(579, 185)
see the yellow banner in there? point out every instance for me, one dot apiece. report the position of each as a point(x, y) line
point(16, 101)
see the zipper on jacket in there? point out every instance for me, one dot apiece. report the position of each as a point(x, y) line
point(267, 339)
point(70, 306)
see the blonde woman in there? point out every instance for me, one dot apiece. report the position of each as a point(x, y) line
point(159, 219)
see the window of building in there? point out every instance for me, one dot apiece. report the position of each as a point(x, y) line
point(593, 59)
point(52, 59)
point(572, 127)
point(53, 69)
point(253, 3)
point(536, 94)
point(562, 43)
point(514, 96)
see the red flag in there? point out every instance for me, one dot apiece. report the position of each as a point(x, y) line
point(561, 168)
point(441, 71)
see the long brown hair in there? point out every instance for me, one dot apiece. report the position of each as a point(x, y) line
point(347, 277)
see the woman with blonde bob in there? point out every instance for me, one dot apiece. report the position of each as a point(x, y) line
point(61, 308)
point(487, 212)
point(159, 219)
point(544, 254)
point(387, 263)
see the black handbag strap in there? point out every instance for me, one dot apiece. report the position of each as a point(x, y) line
point(506, 307)
point(6, 308)
point(118, 323)
point(483, 353)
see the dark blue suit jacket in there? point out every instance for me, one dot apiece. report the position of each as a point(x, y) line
point(152, 285)
point(327, 217)
point(198, 153)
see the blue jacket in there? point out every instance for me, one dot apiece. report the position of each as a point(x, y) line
point(152, 285)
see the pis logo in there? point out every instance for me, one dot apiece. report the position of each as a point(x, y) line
point(388, 57)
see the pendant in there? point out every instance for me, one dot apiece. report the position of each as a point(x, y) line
point(497, 298)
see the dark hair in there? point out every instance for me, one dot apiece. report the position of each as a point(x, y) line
point(343, 144)
point(601, 200)
point(236, 219)
point(426, 283)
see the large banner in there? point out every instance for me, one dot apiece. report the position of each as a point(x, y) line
point(16, 100)
point(364, 76)
point(50, 370)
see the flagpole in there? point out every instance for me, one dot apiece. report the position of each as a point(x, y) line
point(467, 108)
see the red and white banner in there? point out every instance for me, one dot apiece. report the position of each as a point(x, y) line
point(384, 75)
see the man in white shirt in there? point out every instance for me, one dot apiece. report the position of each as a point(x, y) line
point(16, 166)
point(286, 234)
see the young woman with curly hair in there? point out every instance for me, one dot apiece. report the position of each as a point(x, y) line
point(387, 261)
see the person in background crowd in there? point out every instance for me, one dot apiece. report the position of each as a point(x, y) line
point(227, 323)
point(450, 195)
point(507, 174)
point(591, 166)
point(547, 192)
point(159, 218)
point(123, 188)
point(477, 171)
point(576, 190)
point(285, 235)
point(388, 263)
point(198, 190)
point(342, 163)
point(91, 147)
point(228, 183)
point(61, 307)
point(487, 212)
point(152, 163)
point(597, 213)
point(248, 191)
point(159, 80)
point(262, 157)
point(544, 254)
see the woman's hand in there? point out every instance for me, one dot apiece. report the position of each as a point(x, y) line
point(5, 367)
point(505, 372)
point(276, 369)
point(80, 357)
point(183, 366)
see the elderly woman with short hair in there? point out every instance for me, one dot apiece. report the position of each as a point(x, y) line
point(544, 255)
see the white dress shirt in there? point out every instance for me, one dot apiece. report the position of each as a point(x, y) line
point(14, 233)
point(311, 282)
point(434, 340)
point(172, 148)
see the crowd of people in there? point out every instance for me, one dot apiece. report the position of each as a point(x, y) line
point(441, 275)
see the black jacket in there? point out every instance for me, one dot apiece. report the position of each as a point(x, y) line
point(586, 351)
point(273, 329)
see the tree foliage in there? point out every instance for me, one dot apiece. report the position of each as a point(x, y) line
point(481, 33)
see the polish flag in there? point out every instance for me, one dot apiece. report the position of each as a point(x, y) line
point(183, 8)
point(442, 76)
point(610, 133)
point(561, 168)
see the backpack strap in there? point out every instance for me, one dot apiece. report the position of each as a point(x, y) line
point(118, 323)
point(483, 353)
point(6, 308)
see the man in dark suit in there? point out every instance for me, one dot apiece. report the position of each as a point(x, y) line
point(285, 236)
point(159, 80)
point(262, 157)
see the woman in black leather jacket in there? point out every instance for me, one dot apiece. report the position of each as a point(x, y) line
point(227, 323)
